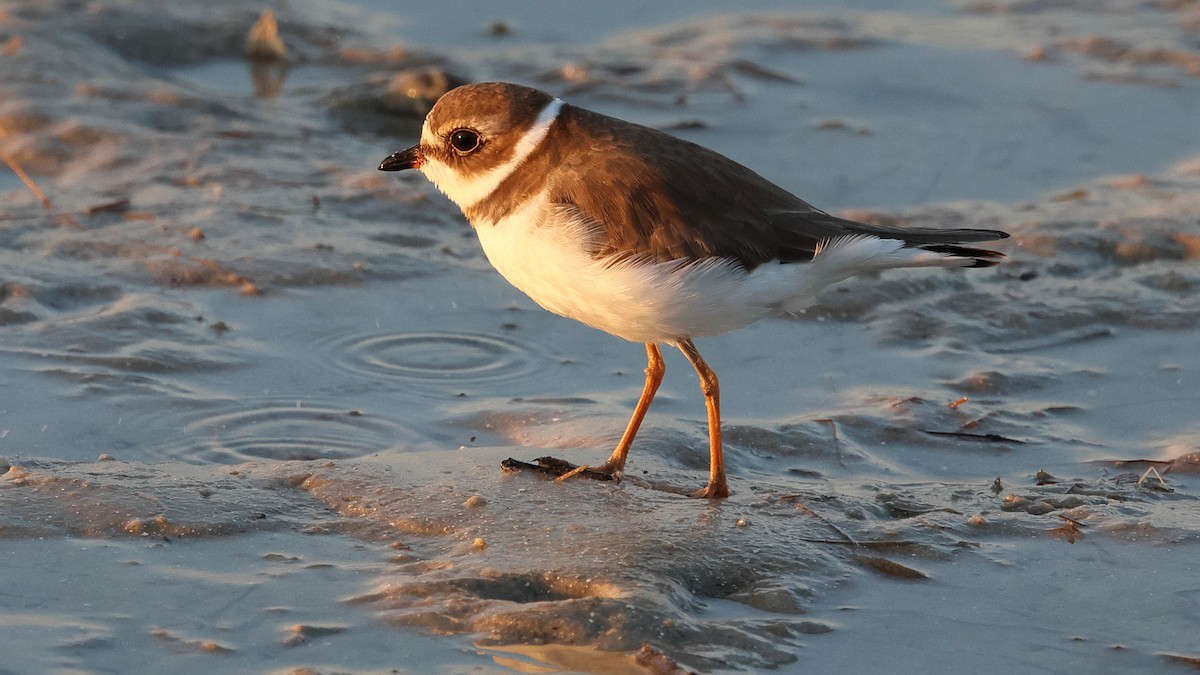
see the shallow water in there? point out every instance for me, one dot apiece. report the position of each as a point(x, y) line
point(274, 387)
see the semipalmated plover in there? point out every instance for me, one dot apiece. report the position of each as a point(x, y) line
point(646, 236)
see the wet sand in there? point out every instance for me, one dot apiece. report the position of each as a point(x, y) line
point(255, 394)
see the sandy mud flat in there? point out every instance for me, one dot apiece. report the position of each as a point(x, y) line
point(254, 394)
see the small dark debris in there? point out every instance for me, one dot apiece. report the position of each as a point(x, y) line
point(901, 512)
point(551, 466)
point(890, 568)
point(116, 206)
point(406, 240)
point(754, 70)
point(838, 124)
point(1044, 478)
point(983, 438)
point(1187, 660)
point(687, 125)
point(1069, 530)
point(657, 662)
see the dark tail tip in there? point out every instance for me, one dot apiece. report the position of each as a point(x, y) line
point(983, 257)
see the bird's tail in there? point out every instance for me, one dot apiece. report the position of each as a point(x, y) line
point(962, 256)
point(842, 257)
point(947, 243)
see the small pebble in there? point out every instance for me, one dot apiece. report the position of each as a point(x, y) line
point(12, 46)
point(479, 544)
point(264, 44)
point(1039, 53)
point(977, 520)
point(475, 502)
point(106, 458)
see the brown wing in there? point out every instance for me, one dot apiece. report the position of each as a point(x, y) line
point(650, 194)
point(664, 198)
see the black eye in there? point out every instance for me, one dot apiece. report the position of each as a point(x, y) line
point(464, 141)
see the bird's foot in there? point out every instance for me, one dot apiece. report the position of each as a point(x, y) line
point(562, 469)
point(714, 490)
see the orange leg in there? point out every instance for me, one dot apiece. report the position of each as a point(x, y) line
point(655, 368)
point(717, 488)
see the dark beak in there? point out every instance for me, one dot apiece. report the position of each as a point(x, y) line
point(405, 159)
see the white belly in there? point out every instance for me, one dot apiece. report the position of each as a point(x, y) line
point(545, 251)
point(547, 257)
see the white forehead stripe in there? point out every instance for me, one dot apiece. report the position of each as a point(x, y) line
point(468, 191)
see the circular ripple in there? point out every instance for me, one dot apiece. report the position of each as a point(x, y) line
point(285, 431)
point(459, 358)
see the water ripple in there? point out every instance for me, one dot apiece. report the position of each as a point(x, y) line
point(433, 357)
point(285, 430)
